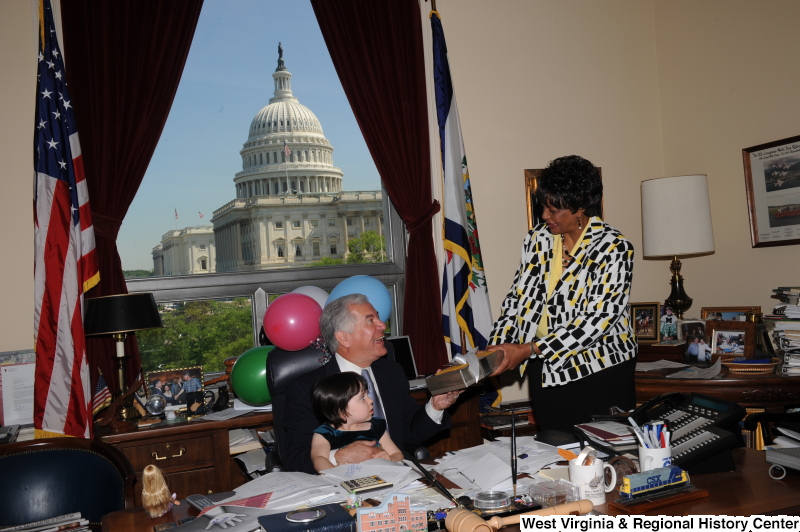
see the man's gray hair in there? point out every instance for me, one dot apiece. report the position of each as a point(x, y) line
point(337, 317)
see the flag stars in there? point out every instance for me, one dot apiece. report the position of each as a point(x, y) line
point(41, 57)
point(62, 164)
point(67, 104)
point(46, 93)
point(42, 124)
point(58, 75)
point(51, 65)
point(56, 114)
point(55, 53)
point(52, 144)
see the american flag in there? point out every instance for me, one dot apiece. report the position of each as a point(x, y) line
point(102, 396)
point(286, 151)
point(200, 214)
point(65, 262)
point(176, 213)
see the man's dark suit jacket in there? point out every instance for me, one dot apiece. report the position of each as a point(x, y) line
point(409, 423)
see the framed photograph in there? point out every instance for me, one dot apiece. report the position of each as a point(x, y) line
point(772, 182)
point(727, 313)
point(698, 345)
point(534, 209)
point(668, 325)
point(180, 387)
point(645, 318)
point(732, 338)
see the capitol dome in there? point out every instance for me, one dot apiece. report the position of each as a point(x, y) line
point(266, 170)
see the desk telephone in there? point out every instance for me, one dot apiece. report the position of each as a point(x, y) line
point(703, 429)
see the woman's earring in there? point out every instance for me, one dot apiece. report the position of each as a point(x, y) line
point(580, 227)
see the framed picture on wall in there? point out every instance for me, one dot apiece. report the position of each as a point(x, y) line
point(645, 318)
point(534, 209)
point(727, 313)
point(772, 182)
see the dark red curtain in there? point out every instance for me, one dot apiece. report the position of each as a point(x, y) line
point(376, 47)
point(124, 60)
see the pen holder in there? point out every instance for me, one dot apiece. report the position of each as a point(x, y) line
point(654, 458)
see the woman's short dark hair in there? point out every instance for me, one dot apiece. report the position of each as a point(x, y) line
point(572, 183)
point(331, 395)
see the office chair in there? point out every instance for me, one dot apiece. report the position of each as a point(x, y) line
point(40, 479)
point(282, 368)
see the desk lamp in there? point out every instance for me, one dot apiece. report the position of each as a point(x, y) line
point(676, 221)
point(119, 315)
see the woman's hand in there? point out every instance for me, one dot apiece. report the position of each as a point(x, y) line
point(515, 354)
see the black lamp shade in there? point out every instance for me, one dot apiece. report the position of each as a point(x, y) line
point(120, 313)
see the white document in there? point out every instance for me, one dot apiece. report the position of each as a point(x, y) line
point(660, 364)
point(399, 474)
point(222, 415)
point(289, 490)
point(487, 472)
point(698, 373)
point(17, 384)
point(238, 404)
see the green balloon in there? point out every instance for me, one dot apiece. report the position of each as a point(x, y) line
point(249, 376)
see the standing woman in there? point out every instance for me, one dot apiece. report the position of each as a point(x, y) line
point(566, 315)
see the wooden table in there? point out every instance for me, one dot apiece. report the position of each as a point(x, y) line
point(746, 491)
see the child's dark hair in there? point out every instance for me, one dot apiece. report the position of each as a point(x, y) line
point(331, 395)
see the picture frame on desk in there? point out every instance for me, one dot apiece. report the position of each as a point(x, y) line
point(166, 381)
point(697, 349)
point(727, 313)
point(772, 185)
point(731, 338)
point(646, 325)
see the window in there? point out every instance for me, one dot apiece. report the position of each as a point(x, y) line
point(349, 222)
point(296, 224)
point(202, 246)
point(366, 221)
point(245, 237)
point(203, 265)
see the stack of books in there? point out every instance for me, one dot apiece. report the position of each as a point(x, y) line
point(787, 294)
point(72, 522)
point(243, 440)
point(617, 436)
point(787, 334)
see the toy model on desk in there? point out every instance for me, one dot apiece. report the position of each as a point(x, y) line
point(661, 479)
point(782, 459)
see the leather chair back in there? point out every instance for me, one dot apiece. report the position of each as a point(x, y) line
point(282, 368)
point(45, 478)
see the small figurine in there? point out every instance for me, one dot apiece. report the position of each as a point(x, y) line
point(353, 500)
point(155, 495)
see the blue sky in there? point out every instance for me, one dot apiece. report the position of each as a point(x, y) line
point(227, 80)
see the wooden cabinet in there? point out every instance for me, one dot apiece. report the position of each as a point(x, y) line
point(193, 455)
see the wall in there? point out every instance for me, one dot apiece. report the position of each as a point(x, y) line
point(643, 89)
point(17, 104)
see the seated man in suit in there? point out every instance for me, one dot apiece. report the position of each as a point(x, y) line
point(352, 330)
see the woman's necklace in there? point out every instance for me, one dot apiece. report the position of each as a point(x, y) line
point(566, 258)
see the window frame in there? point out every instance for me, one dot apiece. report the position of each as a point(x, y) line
point(170, 289)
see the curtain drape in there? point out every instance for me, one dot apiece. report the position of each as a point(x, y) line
point(376, 47)
point(124, 62)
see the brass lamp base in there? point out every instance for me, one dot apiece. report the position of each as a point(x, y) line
point(677, 300)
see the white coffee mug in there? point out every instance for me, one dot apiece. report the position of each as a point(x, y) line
point(654, 458)
point(591, 479)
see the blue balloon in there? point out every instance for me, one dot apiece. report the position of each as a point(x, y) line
point(377, 294)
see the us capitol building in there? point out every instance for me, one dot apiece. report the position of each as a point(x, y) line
point(288, 212)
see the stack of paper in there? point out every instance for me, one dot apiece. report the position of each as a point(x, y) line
point(788, 335)
point(612, 434)
point(243, 440)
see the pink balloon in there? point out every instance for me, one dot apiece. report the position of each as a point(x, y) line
point(292, 321)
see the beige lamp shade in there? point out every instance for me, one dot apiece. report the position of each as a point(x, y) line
point(676, 216)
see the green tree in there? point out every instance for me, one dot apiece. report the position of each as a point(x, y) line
point(129, 274)
point(368, 247)
point(326, 261)
point(198, 333)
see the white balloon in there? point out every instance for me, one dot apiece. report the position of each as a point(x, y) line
point(317, 294)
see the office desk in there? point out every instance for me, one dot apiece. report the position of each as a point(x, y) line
point(746, 491)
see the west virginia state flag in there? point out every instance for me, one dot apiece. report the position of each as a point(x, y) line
point(465, 298)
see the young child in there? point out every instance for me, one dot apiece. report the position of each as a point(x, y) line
point(341, 401)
